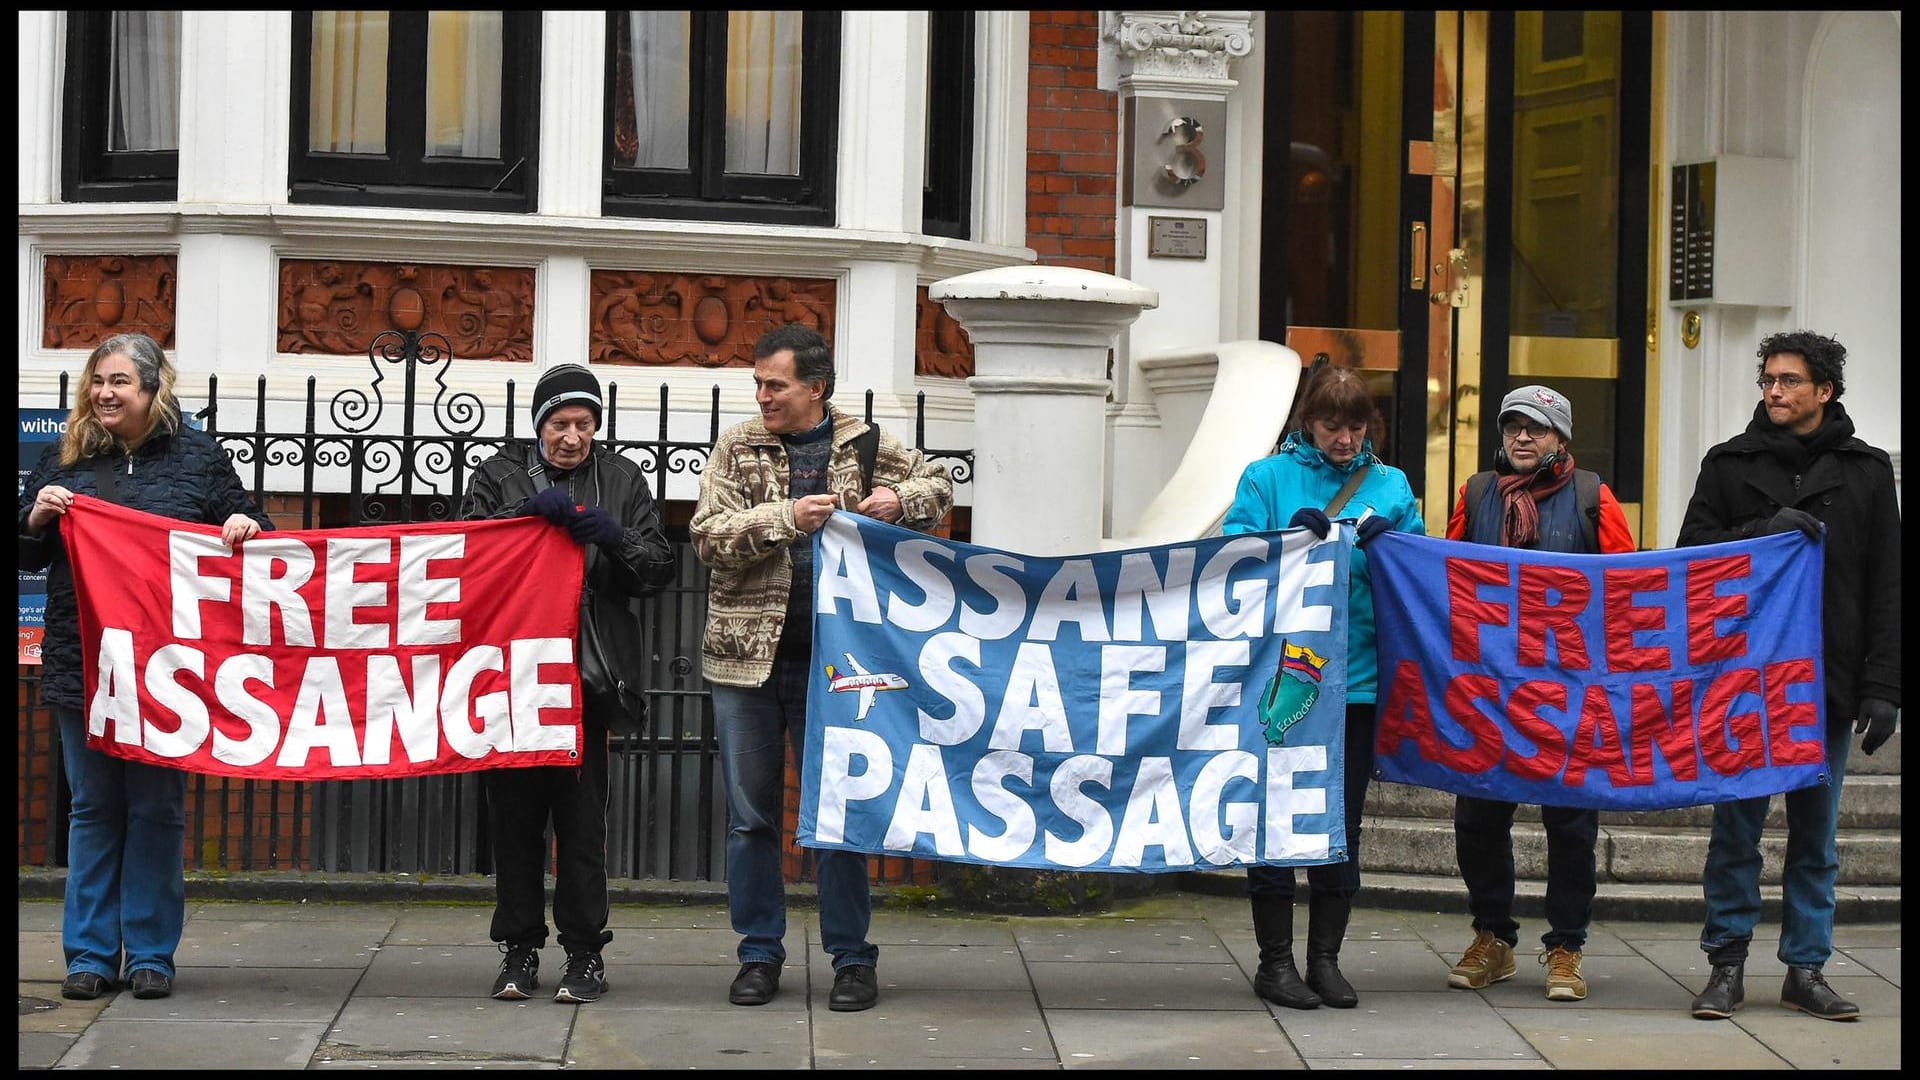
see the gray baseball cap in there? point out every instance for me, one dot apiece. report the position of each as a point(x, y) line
point(1543, 404)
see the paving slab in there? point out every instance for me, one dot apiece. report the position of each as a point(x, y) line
point(443, 971)
point(43, 1010)
point(1613, 982)
point(1629, 1039)
point(1807, 1042)
point(674, 916)
point(40, 916)
point(697, 987)
point(464, 1029)
point(1119, 940)
point(956, 1064)
point(1132, 1039)
point(1453, 1026)
point(441, 926)
point(1449, 1064)
point(1391, 965)
point(269, 995)
point(1684, 961)
point(373, 916)
point(264, 943)
point(952, 967)
point(41, 957)
point(1142, 986)
point(423, 1063)
point(143, 1044)
point(42, 1049)
point(674, 945)
point(934, 1025)
point(1884, 962)
point(723, 1038)
point(939, 929)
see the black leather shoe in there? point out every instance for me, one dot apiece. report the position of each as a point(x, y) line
point(148, 983)
point(755, 985)
point(1807, 990)
point(84, 986)
point(1726, 990)
point(855, 987)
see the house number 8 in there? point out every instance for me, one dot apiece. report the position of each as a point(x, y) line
point(1188, 164)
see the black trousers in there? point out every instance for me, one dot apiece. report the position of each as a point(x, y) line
point(1342, 878)
point(520, 803)
point(1483, 843)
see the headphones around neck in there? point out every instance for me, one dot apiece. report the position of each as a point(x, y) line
point(1504, 465)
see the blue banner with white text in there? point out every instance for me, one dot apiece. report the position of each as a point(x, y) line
point(1158, 709)
point(1640, 681)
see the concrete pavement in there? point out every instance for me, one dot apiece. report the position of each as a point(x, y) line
point(1162, 983)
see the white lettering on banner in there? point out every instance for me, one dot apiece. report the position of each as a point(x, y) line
point(345, 594)
point(1285, 801)
point(185, 704)
point(263, 724)
point(1153, 818)
point(261, 591)
point(320, 717)
point(1010, 603)
point(925, 805)
point(1096, 828)
point(190, 587)
point(117, 696)
point(528, 695)
point(840, 785)
point(1297, 575)
point(1242, 818)
point(1247, 617)
point(1032, 703)
point(1166, 598)
point(418, 589)
point(1201, 695)
point(990, 792)
point(417, 717)
point(1119, 698)
point(843, 573)
point(495, 729)
point(1072, 595)
point(937, 675)
point(936, 606)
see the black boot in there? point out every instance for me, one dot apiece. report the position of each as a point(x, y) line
point(1726, 990)
point(1278, 980)
point(1807, 990)
point(1326, 926)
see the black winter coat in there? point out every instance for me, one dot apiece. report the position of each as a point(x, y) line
point(642, 563)
point(184, 475)
point(1849, 486)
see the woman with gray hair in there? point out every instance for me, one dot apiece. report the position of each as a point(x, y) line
point(124, 442)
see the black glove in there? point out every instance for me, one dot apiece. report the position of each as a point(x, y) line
point(1876, 719)
point(1787, 518)
point(595, 526)
point(1369, 529)
point(552, 503)
point(1311, 517)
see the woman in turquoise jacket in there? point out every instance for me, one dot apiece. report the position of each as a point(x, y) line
point(1289, 489)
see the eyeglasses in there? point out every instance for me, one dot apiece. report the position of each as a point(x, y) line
point(1512, 429)
point(1789, 383)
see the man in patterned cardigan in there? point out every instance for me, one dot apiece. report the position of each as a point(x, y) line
point(768, 485)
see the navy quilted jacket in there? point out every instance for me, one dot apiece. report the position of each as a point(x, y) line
point(185, 475)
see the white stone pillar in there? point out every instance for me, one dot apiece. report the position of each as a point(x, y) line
point(573, 63)
point(236, 72)
point(1041, 336)
point(43, 50)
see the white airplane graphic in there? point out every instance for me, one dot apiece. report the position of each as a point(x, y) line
point(866, 682)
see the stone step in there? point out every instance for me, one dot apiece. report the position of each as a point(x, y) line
point(1884, 760)
point(1866, 802)
point(1625, 853)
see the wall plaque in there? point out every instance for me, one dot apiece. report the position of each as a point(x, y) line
point(1176, 238)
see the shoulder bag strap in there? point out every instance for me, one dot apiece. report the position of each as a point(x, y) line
point(1346, 491)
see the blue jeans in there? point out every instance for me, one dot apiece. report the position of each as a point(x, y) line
point(1732, 882)
point(126, 884)
point(750, 723)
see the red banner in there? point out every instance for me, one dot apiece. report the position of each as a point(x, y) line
point(336, 654)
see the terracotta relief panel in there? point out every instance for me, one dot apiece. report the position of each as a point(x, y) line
point(338, 307)
point(705, 320)
point(90, 298)
point(940, 346)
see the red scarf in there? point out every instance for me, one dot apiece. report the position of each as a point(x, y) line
point(1520, 494)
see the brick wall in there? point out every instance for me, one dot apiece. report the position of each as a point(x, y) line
point(1073, 134)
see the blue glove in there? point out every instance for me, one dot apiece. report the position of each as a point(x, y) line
point(595, 526)
point(1311, 517)
point(552, 503)
point(1369, 529)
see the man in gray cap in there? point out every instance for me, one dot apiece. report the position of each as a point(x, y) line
point(1533, 498)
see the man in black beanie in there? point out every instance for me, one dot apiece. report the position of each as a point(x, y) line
point(603, 501)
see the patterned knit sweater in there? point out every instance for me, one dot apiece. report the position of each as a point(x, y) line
point(743, 525)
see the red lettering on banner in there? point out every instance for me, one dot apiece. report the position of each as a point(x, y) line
point(1485, 750)
point(1671, 731)
point(1466, 612)
point(1783, 716)
point(1406, 715)
point(1706, 606)
point(1538, 617)
point(1596, 742)
point(1550, 746)
point(1730, 742)
point(1625, 618)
